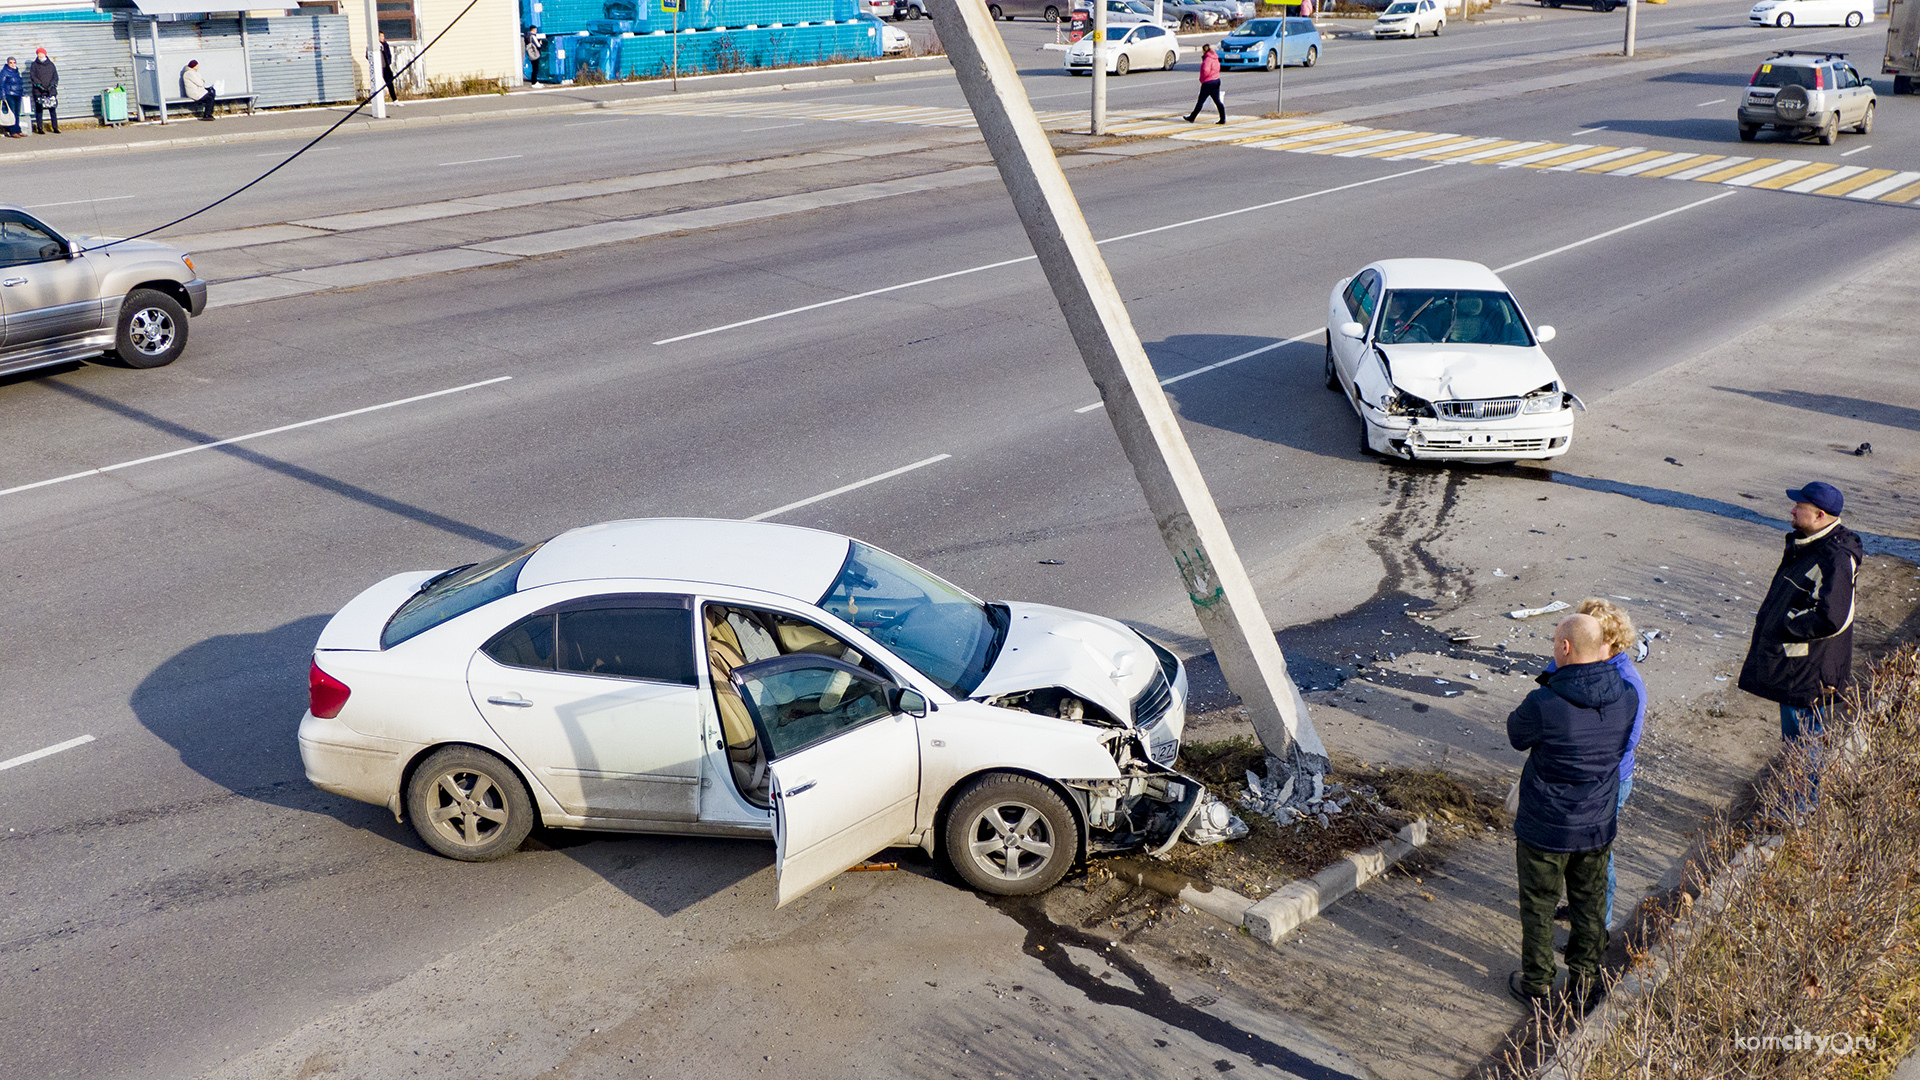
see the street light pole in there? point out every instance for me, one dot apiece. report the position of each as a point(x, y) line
point(375, 69)
point(1223, 597)
point(1280, 95)
point(1098, 124)
point(1633, 24)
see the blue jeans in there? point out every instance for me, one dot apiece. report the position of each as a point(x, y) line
point(1626, 787)
point(1798, 722)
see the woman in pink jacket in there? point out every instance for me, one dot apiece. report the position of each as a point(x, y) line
point(1209, 84)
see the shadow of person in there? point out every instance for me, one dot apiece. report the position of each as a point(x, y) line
point(230, 706)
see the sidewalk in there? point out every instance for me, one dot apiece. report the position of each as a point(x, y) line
point(185, 130)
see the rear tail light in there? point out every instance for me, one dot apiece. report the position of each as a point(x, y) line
point(326, 695)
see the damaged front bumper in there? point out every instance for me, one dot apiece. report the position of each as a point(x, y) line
point(1145, 811)
point(1524, 437)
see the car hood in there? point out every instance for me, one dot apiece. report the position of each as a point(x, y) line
point(1465, 373)
point(125, 247)
point(1098, 659)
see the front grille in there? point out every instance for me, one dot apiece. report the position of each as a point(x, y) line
point(1153, 702)
point(1496, 409)
point(1499, 446)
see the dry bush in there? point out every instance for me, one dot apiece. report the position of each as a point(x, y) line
point(1766, 955)
point(444, 86)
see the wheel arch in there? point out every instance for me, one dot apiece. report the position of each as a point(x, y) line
point(171, 288)
point(937, 839)
point(535, 793)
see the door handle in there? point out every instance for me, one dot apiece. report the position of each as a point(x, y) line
point(12, 281)
point(797, 789)
point(515, 702)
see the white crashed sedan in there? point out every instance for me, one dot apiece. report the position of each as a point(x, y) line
point(1440, 363)
point(727, 678)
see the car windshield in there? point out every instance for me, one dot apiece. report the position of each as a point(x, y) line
point(1399, 9)
point(1783, 75)
point(1464, 317)
point(1258, 28)
point(455, 593)
point(949, 636)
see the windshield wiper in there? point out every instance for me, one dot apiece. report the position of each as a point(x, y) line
point(442, 576)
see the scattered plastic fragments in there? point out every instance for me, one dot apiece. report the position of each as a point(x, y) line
point(1529, 612)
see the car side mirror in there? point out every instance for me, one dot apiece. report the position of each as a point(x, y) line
point(1353, 330)
point(911, 702)
point(1543, 334)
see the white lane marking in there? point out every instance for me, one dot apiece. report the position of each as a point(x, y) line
point(117, 198)
point(590, 123)
point(1297, 338)
point(1202, 370)
point(197, 447)
point(47, 752)
point(478, 160)
point(1596, 127)
point(1825, 179)
point(1030, 258)
point(315, 150)
point(1614, 231)
point(855, 486)
point(776, 127)
point(1875, 190)
point(1715, 101)
point(1855, 150)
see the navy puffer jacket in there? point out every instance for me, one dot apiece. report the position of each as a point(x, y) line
point(1577, 727)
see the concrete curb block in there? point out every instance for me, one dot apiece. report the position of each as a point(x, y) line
point(426, 120)
point(1283, 910)
point(1286, 908)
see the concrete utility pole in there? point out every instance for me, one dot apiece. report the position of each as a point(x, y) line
point(1633, 24)
point(1176, 492)
point(1097, 124)
point(373, 60)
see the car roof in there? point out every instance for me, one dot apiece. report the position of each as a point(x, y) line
point(1438, 274)
point(782, 559)
point(1791, 58)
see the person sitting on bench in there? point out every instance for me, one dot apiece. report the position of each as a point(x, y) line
point(198, 93)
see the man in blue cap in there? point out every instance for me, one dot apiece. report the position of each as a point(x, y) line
point(1802, 651)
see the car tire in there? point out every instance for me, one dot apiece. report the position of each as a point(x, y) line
point(1830, 131)
point(1313, 56)
point(1784, 21)
point(1439, 26)
point(1052, 14)
point(1273, 59)
point(1902, 85)
point(913, 13)
point(1865, 127)
point(1333, 373)
point(469, 805)
point(1749, 132)
point(1121, 66)
point(1002, 808)
point(1172, 59)
point(151, 331)
point(1188, 24)
point(1853, 18)
point(993, 10)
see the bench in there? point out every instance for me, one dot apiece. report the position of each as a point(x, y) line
point(183, 105)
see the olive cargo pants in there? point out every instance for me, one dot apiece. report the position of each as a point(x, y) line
point(1542, 874)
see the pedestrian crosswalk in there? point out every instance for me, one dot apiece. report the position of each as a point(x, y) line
point(1304, 135)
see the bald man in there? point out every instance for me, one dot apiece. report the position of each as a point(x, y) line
point(1575, 728)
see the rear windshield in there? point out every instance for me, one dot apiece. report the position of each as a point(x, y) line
point(1784, 75)
point(455, 593)
point(1466, 317)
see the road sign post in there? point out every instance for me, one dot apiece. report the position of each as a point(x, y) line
point(674, 7)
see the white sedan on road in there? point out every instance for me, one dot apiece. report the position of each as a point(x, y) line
point(726, 678)
point(1410, 18)
point(1439, 362)
point(1811, 13)
point(1129, 48)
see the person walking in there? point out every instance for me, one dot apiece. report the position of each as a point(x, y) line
point(1575, 729)
point(13, 89)
point(194, 85)
point(386, 68)
point(1802, 649)
point(1617, 627)
point(43, 83)
point(1209, 84)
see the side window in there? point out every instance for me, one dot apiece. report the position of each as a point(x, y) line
point(526, 644)
point(798, 701)
point(1352, 296)
point(642, 641)
point(25, 241)
point(1369, 297)
point(1150, 32)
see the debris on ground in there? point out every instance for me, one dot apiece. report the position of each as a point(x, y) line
point(1530, 612)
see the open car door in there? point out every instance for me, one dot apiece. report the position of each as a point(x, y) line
point(844, 751)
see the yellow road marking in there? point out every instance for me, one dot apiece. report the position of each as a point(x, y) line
point(1741, 169)
point(1607, 167)
point(1682, 166)
point(1905, 194)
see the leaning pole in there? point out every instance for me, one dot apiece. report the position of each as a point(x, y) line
point(1170, 478)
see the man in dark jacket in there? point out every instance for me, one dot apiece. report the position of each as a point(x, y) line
point(1802, 651)
point(1576, 727)
point(43, 82)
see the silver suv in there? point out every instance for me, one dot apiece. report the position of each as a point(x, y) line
point(69, 298)
point(1806, 93)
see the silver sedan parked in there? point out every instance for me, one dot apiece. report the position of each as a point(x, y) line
point(73, 297)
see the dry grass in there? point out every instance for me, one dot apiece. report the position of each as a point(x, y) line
point(1821, 940)
point(461, 86)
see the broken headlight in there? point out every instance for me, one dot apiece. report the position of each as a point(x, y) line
point(1401, 403)
point(1546, 399)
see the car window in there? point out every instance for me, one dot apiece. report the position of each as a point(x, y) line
point(948, 636)
point(799, 701)
point(1783, 75)
point(651, 643)
point(1258, 28)
point(1462, 317)
point(1151, 32)
point(456, 592)
point(1399, 9)
point(1369, 296)
point(526, 644)
point(23, 240)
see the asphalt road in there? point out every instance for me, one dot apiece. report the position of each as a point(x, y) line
point(177, 896)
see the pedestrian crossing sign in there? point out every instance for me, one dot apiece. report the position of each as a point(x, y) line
point(670, 7)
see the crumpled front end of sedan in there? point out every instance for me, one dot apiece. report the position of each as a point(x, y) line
point(1454, 406)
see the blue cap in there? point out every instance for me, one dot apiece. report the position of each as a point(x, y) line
point(1821, 494)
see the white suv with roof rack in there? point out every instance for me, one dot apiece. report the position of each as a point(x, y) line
point(1804, 93)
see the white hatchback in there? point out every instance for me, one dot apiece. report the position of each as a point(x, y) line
point(726, 678)
point(1439, 362)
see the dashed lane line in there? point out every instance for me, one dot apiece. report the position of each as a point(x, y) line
point(48, 751)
